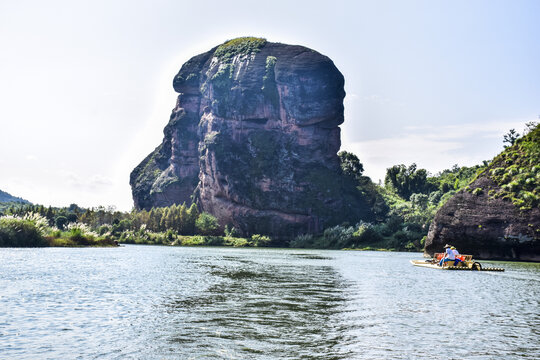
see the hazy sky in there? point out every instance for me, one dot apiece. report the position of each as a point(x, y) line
point(86, 86)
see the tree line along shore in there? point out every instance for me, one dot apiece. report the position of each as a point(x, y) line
point(405, 205)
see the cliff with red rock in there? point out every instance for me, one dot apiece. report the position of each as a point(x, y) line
point(253, 140)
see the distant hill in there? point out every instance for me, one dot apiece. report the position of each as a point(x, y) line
point(5, 197)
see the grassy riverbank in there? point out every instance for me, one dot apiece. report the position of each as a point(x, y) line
point(33, 230)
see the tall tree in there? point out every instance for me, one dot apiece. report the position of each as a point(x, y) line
point(510, 138)
point(407, 180)
point(350, 164)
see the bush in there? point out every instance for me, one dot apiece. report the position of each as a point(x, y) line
point(238, 242)
point(207, 224)
point(104, 229)
point(196, 240)
point(435, 197)
point(478, 191)
point(336, 237)
point(399, 239)
point(60, 222)
point(419, 200)
point(367, 234)
point(27, 231)
point(302, 241)
point(260, 240)
point(80, 232)
point(230, 231)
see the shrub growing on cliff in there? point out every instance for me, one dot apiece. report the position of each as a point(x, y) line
point(516, 171)
point(269, 87)
point(239, 46)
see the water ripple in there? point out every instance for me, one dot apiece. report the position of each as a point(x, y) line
point(145, 302)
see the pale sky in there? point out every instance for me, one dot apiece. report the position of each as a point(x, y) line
point(86, 86)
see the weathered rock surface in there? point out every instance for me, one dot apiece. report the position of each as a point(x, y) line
point(497, 216)
point(253, 140)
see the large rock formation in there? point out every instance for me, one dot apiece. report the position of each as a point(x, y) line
point(253, 140)
point(497, 215)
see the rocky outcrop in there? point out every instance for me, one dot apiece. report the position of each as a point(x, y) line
point(253, 140)
point(497, 215)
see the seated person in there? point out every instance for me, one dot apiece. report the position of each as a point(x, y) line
point(448, 256)
point(456, 253)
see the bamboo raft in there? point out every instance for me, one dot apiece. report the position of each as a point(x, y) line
point(466, 264)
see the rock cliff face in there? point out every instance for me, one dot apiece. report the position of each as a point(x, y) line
point(253, 140)
point(497, 215)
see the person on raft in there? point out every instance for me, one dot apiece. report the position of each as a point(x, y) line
point(456, 253)
point(448, 256)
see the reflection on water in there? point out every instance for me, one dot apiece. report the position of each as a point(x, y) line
point(261, 307)
point(146, 302)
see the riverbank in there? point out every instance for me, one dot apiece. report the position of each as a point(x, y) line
point(33, 230)
point(149, 238)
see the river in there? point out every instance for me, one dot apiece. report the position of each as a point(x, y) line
point(157, 302)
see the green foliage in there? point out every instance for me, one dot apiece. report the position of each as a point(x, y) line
point(33, 230)
point(26, 231)
point(230, 231)
point(390, 235)
point(260, 240)
point(407, 180)
point(516, 171)
point(455, 178)
point(366, 233)
point(238, 242)
point(511, 137)
point(413, 199)
point(148, 170)
point(147, 237)
point(350, 164)
point(207, 224)
point(302, 241)
point(478, 191)
point(269, 87)
point(222, 79)
point(239, 46)
point(420, 201)
point(173, 225)
point(192, 241)
point(404, 208)
point(337, 237)
point(199, 240)
point(60, 222)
